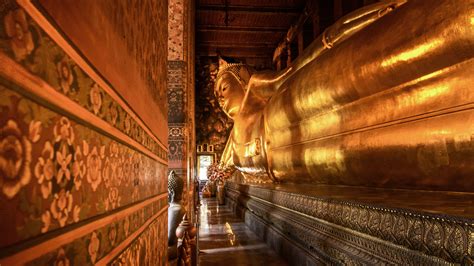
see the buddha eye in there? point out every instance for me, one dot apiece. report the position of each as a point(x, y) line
point(224, 89)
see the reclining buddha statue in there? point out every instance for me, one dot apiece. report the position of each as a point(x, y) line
point(383, 98)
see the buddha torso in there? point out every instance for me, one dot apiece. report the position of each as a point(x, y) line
point(247, 142)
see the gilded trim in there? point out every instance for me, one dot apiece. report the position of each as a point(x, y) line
point(120, 248)
point(65, 45)
point(11, 70)
point(31, 253)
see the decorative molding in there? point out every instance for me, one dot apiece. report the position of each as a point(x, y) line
point(83, 170)
point(148, 248)
point(445, 238)
point(37, 87)
point(177, 92)
point(120, 248)
point(176, 64)
point(34, 252)
point(68, 172)
point(176, 32)
point(143, 20)
point(70, 51)
point(177, 150)
point(177, 131)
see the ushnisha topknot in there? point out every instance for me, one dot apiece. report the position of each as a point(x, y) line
point(175, 186)
point(239, 70)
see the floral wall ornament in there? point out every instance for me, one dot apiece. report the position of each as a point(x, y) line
point(63, 158)
point(114, 150)
point(93, 247)
point(127, 168)
point(112, 234)
point(15, 159)
point(127, 124)
point(17, 29)
point(63, 131)
point(113, 200)
point(76, 213)
point(61, 207)
point(126, 226)
point(119, 173)
point(78, 168)
point(65, 75)
point(107, 173)
point(46, 219)
point(35, 130)
point(45, 169)
point(95, 98)
point(94, 166)
point(61, 259)
point(113, 113)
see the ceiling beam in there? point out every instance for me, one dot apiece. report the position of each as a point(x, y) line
point(242, 51)
point(234, 54)
point(223, 30)
point(240, 28)
point(237, 44)
point(250, 9)
point(234, 50)
point(310, 9)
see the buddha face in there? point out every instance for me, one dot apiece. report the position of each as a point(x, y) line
point(230, 94)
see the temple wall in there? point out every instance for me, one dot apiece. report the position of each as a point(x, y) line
point(83, 155)
point(180, 93)
point(177, 93)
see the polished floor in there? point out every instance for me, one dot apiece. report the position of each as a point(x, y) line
point(224, 239)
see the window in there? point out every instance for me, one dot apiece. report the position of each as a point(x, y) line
point(203, 162)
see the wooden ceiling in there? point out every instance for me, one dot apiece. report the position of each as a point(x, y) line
point(243, 28)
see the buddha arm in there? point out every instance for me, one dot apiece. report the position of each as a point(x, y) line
point(226, 158)
point(265, 84)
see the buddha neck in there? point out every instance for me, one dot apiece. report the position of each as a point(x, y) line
point(175, 203)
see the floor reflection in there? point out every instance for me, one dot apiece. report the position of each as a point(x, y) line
point(225, 240)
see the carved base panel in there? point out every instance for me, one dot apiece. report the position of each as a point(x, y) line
point(308, 230)
point(278, 241)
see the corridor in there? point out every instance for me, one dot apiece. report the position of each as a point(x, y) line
point(224, 239)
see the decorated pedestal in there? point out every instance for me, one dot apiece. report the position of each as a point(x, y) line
point(347, 225)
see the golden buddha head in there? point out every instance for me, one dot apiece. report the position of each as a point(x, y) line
point(231, 85)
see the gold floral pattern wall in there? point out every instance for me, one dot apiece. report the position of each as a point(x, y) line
point(81, 180)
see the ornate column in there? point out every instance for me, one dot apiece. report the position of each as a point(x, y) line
point(181, 93)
